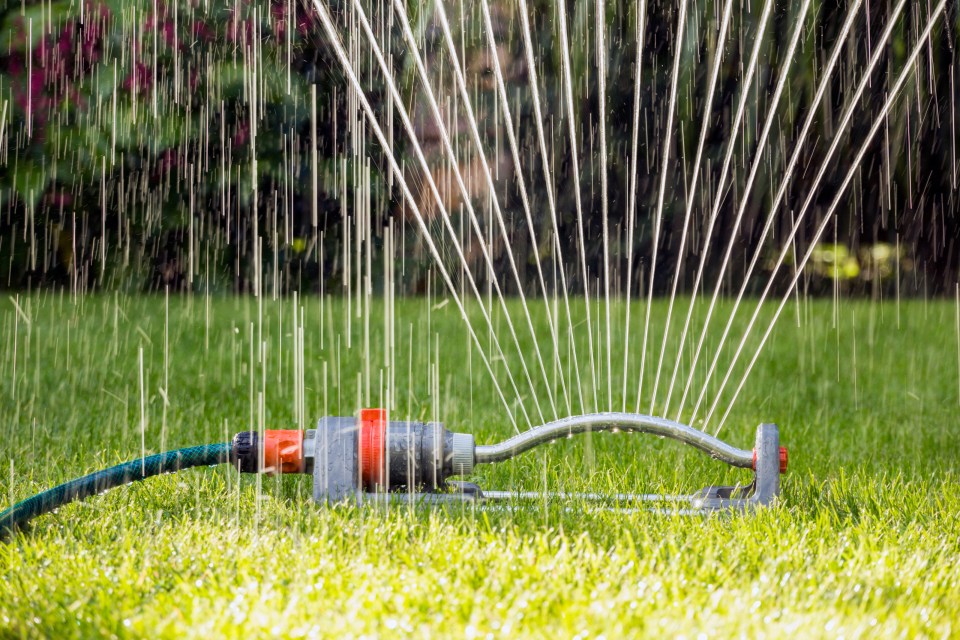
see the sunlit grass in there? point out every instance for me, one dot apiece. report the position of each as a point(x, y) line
point(865, 542)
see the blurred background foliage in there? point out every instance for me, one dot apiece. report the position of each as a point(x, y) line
point(150, 144)
point(201, 145)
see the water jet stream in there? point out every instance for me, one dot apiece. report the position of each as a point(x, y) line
point(444, 214)
point(704, 127)
point(632, 198)
point(408, 34)
point(905, 73)
point(548, 180)
point(574, 160)
point(718, 198)
point(660, 196)
point(755, 166)
point(821, 90)
point(361, 98)
point(475, 132)
point(604, 197)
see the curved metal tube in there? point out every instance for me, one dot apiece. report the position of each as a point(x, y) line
point(630, 422)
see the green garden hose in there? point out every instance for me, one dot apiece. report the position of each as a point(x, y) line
point(99, 481)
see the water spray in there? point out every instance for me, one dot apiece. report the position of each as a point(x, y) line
point(370, 458)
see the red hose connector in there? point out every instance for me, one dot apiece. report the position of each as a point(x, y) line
point(282, 451)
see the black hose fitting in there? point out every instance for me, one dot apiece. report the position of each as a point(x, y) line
point(245, 452)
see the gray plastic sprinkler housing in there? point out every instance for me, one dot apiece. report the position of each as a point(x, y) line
point(370, 458)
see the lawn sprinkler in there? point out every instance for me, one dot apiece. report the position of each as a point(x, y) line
point(370, 458)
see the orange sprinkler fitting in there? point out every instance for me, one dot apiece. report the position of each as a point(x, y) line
point(373, 425)
point(283, 451)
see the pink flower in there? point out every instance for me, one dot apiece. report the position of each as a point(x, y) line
point(58, 199)
point(278, 9)
point(239, 30)
point(16, 65)
point(166, 162)
point(93, 30)
point(29, 95)
point(169, 33)
point(65, 42)
point(202, 31)
point(139, 79)
point(242, 135)
point(307, 24)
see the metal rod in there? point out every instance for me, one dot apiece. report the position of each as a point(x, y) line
point(589, 497)
point(629, 422)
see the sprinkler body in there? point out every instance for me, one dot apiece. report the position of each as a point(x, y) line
point(368, 457)
point(350, 456)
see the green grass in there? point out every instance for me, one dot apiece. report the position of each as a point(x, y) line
point(864, 543)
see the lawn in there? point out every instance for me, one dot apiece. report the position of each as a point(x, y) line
point(865, 541)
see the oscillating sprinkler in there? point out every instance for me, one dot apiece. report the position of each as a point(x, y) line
point(369, 457)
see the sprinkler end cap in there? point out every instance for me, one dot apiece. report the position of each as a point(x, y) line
point(784, 457)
